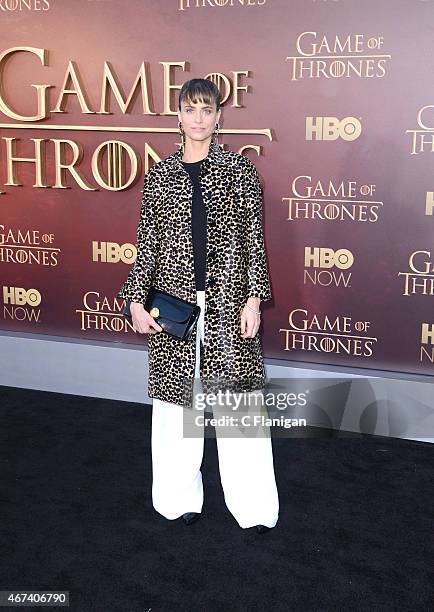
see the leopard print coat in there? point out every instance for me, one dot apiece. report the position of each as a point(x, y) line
point(236, 268)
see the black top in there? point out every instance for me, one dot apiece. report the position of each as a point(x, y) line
point(198, 224)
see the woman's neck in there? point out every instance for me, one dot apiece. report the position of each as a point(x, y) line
point(195, 152)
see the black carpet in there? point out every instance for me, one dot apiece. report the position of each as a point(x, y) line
point(354, 533)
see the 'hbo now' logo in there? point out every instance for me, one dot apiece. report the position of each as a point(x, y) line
point(322, 259)
point(20, 304)
point(429, 203)
point(427, 339)
point(332, 128)
point(427, 335)
point(112, 252)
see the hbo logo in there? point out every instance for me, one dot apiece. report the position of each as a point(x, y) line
point(322, 257)
point(21, 297)
point(112, 252)
point(331, 128)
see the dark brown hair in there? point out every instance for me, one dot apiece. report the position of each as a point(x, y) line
point(200, 89)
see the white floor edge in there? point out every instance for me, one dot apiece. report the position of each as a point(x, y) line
point(403, 404)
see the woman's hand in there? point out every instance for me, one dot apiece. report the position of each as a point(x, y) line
point(250, 321)
point(142, 320)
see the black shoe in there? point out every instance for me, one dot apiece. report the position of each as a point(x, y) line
point(190, 517)
point(262, 528)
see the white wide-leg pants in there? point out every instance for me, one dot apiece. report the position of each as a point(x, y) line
point(245, 464)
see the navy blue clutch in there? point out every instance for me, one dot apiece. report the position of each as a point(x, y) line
point(177, 317)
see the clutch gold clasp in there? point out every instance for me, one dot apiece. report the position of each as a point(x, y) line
point(154, 312)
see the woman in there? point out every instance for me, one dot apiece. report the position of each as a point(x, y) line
point(200, 238)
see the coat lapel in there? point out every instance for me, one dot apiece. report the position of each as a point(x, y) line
point(216, 155)
point(212, 163)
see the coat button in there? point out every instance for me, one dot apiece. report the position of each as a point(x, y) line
point(211, 254)
point(211, 282)
point(212, 222)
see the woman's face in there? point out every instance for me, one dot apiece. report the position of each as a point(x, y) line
point(198, 120)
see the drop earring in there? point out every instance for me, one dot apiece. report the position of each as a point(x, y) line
point(215, 134)
point(182, 134)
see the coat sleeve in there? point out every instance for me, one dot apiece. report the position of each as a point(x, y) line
point(139, 280)
point(258, 274)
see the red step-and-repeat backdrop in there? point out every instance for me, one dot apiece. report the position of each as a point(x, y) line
point(333, 100)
